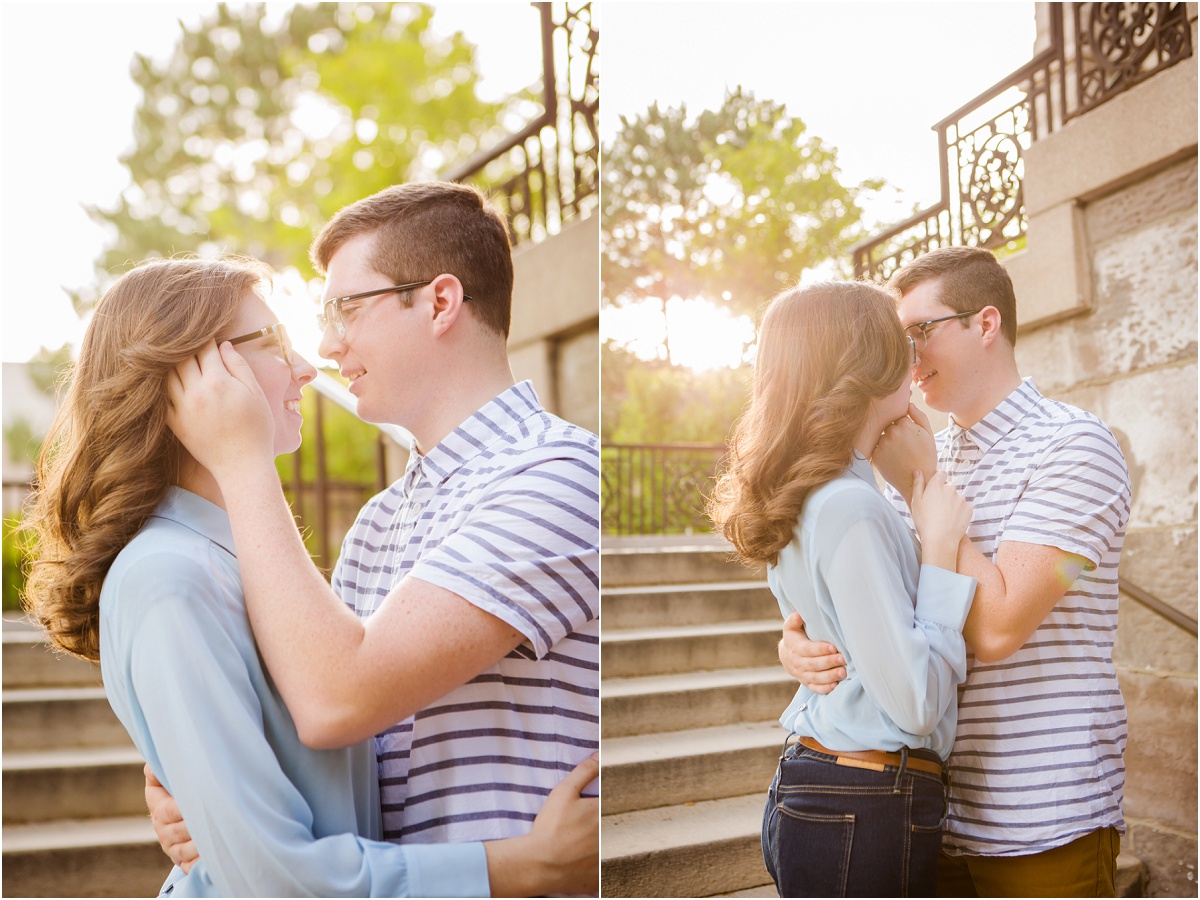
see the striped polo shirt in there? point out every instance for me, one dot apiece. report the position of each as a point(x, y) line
point(503, 512)
point(1038, 755)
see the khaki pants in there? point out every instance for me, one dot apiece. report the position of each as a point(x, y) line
point(1086, 867)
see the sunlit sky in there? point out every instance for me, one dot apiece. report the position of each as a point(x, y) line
point(869, 78)
point(67, 105)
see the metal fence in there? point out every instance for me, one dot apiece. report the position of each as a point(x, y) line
point(656, 488)
point(1109, 48)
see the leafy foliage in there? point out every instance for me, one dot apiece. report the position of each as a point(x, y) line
point(731, 205)
point(255, 132)
point(15, 559)
point(654, 402)
point(48, 369)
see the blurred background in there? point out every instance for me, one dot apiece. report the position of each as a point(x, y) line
point(754, 146)
point(150, 130)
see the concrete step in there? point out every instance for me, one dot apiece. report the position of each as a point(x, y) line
point(694, 603)
point(647, 770)
point(42, 718)
point(659, 703)
point(115, 857)
point(690, 850)
point(93, 782)
point(29, 662)
point(707, 560)
point(630, 652)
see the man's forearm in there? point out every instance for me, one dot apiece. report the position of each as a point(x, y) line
point(984, 626)
point(307, 636)
point(345, 679)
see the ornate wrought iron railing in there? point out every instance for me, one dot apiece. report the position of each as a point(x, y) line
point(548, 172)
point(656, 488)
point(1110, 48)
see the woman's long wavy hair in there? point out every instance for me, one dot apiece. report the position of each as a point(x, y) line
point(824, 353)
point(109, 457)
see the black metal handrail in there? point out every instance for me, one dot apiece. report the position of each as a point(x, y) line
point(1113, 47)
point(527, 172)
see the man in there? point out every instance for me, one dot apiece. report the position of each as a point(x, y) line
point(475, 653)
point(1037, 770)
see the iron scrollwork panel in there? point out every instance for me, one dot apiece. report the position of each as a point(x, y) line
point(990, 168)
point(1119, 45)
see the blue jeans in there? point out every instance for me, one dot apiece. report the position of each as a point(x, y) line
point(831, 830)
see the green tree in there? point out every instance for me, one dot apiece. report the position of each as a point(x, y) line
point(49, 369)
point(15, 559)
point(730, 205)
point(654, 402)
point(256, 131)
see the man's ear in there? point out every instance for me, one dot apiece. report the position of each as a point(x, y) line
point(989, 321)
point(447, 303)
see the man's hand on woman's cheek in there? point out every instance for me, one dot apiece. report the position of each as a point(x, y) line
point(218, 411)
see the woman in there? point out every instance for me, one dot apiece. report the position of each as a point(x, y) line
point(137, 568)
point(857, 803)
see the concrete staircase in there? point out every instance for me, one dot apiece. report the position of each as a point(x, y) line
point(690, 699)
point(75, 823)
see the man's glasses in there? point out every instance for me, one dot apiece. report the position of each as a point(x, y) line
point(278, 331)
point(333, 313)
point(921, 337)
point(912, 346)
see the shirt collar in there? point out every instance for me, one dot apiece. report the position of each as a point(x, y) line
point(861, 467)
point(1001, 420)
point(496, 420)
point(197, 514)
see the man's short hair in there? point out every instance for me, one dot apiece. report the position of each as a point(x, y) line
point(968, 278)
point(428, 228)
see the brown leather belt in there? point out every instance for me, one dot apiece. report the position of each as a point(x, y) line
point(873, 759)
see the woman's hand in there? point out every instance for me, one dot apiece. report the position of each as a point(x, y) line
point(941, 516)
point(561, 853)
point(218, 411)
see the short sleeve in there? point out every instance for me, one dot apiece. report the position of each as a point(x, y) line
point(528, 552)
point(1078, 496)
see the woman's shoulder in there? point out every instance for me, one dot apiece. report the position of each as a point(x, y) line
point(846, 497)
point(165, 543)
point(848, 507)
point(165, 558)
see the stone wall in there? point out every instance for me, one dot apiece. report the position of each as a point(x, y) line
point(1108, 294)
point(555, 335)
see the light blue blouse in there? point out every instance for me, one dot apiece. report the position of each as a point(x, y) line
point(269, 816)
point(851, 571)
